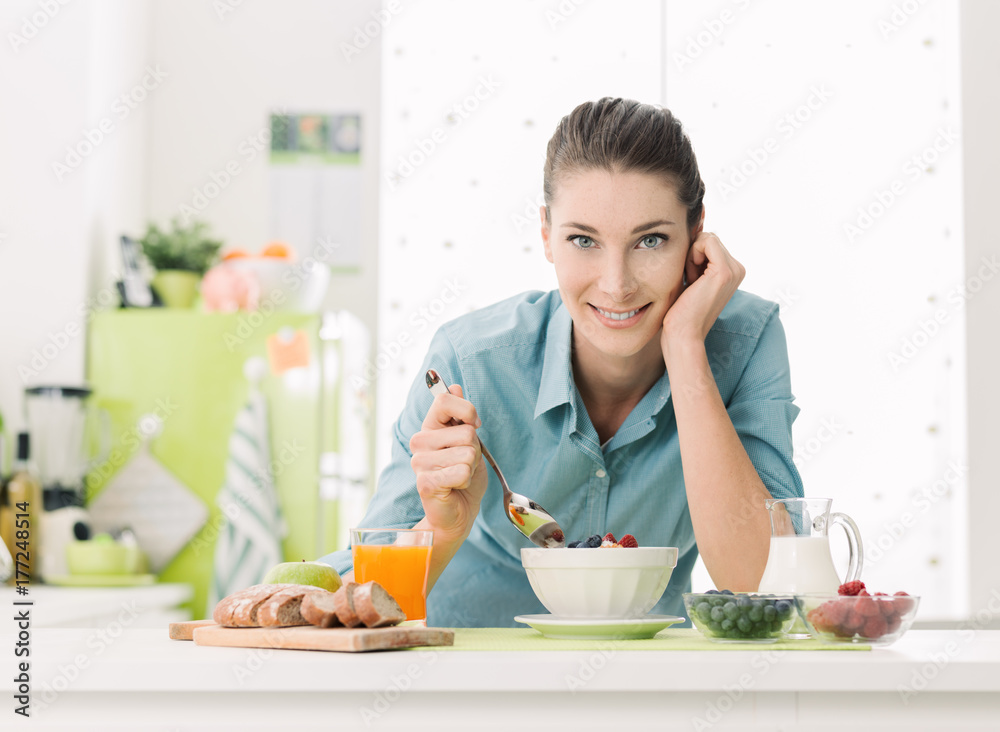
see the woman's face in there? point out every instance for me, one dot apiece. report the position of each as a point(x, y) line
point(619, 242)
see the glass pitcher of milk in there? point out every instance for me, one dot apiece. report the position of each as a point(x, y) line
point(799, 559)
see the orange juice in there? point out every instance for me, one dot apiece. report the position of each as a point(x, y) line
point(401, 570)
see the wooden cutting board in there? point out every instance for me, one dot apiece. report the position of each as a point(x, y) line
point(311, 638)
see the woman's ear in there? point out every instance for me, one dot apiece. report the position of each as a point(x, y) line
point(546, 232)
point(699, 227)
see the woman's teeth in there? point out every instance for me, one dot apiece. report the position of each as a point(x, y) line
point(617, 316)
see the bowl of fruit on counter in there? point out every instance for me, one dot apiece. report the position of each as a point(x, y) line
point(599, 577)
point(726, 617)
point(853, 615)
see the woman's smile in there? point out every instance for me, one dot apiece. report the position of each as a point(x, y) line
point(619, 318)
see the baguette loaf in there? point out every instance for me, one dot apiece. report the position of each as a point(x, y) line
point(376, 607)
point(241, 609)
point(319, 608)
point(343, 603)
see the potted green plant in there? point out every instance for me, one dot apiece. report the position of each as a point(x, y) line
point(180, 256)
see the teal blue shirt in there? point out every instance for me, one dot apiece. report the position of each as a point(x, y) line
point(512, 360)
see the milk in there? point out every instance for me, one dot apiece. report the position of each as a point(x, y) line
point(799, 564)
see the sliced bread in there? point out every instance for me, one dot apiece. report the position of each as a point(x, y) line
point(319, 608)
point(283, 607)
point(376, 607)
point(343, 603)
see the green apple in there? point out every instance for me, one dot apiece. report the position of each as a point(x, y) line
point(316, 574)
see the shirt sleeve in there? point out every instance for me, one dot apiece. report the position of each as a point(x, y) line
point(396, 503)
point(762, 411)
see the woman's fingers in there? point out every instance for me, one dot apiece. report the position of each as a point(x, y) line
point(443, 458)
point(448, 409)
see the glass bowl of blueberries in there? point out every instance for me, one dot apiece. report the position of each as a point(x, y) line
point(727, 617)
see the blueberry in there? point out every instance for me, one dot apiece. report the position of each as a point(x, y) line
point(744, 601)
point(718, 614)
point(712, 592)
point(703, 609)
point(770, 613)
point(728, 624)
point(744, 624)
point(756, 613)
point(783, 608)
point(594, 541)
point(732, 612)
point(725, 592)
point(574, 544)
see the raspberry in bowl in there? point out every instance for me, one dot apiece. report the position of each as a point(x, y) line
point(855, 616)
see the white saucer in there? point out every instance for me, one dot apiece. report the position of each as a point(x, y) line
point(554, 626)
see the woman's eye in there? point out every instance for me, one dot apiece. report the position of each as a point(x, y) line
point(651, 241)
point(584, 242)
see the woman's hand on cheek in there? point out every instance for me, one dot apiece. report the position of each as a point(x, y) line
point(712, 277)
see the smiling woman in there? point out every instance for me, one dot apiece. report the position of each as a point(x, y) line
point(645, 396)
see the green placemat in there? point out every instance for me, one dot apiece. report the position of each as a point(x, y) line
point(671, 639)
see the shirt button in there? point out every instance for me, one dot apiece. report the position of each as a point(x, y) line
point(600, 473)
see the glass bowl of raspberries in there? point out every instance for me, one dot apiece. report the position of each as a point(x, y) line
point(727, 617)
point(854, 615)
point(600, 578)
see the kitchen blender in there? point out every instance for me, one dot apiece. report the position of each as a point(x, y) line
point(57, 422)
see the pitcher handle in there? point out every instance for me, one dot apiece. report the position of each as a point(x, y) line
point(854, 546)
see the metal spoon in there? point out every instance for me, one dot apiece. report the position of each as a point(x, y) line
point(527, 516)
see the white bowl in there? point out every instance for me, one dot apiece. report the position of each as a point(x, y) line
point(287, 286)
point(599, 583)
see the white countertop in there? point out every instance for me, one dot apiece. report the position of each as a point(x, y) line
point(139, 668)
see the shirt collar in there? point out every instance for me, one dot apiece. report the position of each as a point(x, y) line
point(556, 385)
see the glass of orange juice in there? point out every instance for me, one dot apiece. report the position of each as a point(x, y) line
point(399, 560)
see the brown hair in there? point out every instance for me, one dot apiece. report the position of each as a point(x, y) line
point(622, 135)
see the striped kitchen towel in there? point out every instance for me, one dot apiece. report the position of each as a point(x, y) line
point(249, 543)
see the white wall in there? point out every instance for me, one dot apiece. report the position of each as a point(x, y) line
point(981, 120)
point(62, 73)
point(227, 74)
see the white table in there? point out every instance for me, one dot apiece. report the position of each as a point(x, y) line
point(142, 680)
